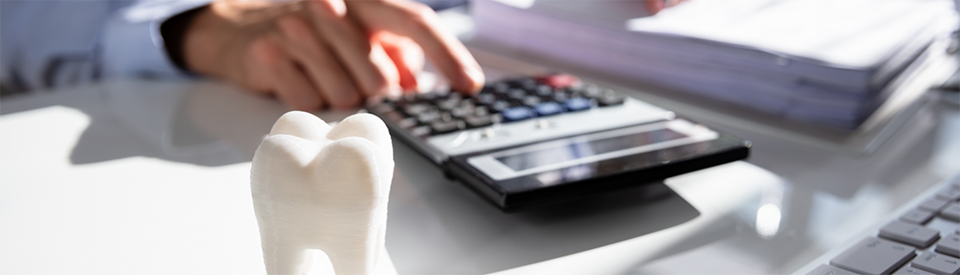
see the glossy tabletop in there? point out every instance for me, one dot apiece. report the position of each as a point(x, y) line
point(152, 177)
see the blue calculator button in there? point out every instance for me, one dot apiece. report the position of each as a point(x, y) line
point(577, 104)
point(516, 113)
point(548, 108)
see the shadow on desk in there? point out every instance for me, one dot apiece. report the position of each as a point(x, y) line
point(473, 236)
point(197, 122)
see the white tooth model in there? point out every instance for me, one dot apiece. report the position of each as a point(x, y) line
point(321, 188)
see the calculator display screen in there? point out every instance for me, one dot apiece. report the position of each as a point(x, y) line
point(578, 149)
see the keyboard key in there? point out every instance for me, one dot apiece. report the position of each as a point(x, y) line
point(951, 212)
point(950, 245)
point(909, 270)
point(937, 263)
point(874, 256)
point(908, 233)
point(548, 109)
point(517, 114)
point(917, 216)
point(949, 194)
point(829, 270)
point(577, 104)
point(933, 204)
point(956, 182)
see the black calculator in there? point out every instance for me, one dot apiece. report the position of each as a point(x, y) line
point(531, 141)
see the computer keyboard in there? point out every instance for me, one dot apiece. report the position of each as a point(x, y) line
point(922, 237)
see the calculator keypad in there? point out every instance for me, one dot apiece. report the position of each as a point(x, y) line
point(512, 100)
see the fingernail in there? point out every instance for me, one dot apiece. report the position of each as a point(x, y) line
point(475, 78)
point(394, 90)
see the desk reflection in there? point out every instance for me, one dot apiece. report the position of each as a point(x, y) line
point(435, 226)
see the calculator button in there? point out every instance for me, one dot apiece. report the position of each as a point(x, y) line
point(591, 90)
point(443, 127)
point(950, 245)
point(874, 256)
point(421, 131)
point(609, 98)
point(544, 90)
point(486, 99)
point(501, 87)
point(516, 114)
point(531, 101)
point(460, 112)
point(908, 233)
point(577, 104)
point(909, 270)
point(949, 194)
point(548, 109)
point(407, 123)
point(523, 83)
point(415, 109)
point(476, 121)
point(428, 117)
point(517, 94)
point(559, 96)
point(951, 212)
point(933, 204)
point(829, 270)
point(499, 106)
point(917, 216)
point(448, 104)
point(481, 111)
point(937, 263)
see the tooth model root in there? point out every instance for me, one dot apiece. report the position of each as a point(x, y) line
point(317, 187)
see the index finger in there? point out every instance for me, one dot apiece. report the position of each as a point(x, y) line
point(420, 23)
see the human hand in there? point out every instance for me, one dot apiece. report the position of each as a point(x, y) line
point(319, 53)
point(655, 6)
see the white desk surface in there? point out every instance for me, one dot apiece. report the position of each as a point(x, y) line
point(141, 177)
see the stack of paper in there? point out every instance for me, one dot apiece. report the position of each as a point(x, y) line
point(822, 61)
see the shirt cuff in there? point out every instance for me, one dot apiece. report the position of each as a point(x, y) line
point(132, 44)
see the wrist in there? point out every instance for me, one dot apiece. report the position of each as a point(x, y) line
point(173, 31)
point(203, 41)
